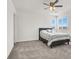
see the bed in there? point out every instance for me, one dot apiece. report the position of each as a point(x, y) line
point(52, 39)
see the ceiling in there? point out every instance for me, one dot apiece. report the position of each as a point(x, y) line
point(37, 5)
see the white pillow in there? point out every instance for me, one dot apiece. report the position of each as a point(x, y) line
point(48, 30)
point(53, 30)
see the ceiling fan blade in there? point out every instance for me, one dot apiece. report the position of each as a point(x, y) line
point(58, 6)
point(46, 4)
point(46, 8)
point(55, 2)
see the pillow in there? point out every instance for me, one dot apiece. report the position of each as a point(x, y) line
point(53, 30)
point(48, 30)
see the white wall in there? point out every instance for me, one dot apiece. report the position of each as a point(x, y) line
point(28, 23)
point(10, 26)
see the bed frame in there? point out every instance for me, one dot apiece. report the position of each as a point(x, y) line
point(55, 43)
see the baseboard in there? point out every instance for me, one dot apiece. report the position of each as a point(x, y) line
point(25, 40)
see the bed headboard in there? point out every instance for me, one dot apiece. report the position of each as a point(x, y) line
point(43, 29)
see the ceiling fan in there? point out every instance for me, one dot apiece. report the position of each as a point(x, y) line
point(52, 5)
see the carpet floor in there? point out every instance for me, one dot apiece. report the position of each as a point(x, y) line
point(38, 50)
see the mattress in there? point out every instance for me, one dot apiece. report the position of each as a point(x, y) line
point(54, 36)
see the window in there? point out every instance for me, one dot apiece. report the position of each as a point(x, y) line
point(53, 22)
point(63, 22)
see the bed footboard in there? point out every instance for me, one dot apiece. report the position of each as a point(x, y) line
point(60, 42)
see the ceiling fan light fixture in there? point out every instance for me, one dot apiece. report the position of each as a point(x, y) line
point(52, 5)
point(52, 8)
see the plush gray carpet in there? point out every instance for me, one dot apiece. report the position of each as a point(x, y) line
point(38, 50)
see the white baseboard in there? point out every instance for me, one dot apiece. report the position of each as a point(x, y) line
point(26, 40)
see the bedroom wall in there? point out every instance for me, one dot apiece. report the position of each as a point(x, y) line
point(28, 23)
point(10, 26)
